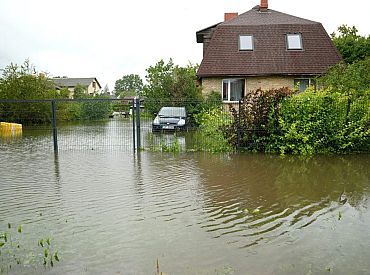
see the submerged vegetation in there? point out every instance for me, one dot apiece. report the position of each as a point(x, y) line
point(210, 136)
point(279, 121)
point(15, 251)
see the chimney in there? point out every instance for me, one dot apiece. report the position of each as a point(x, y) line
point(264, 5)
point(230, 15)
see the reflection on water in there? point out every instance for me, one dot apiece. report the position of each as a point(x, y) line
point(113, 134)
point(262, 197)
point(116, 212)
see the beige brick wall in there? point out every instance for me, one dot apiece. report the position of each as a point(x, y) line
point(252, 83)
point(211, 84)
point(269, 82)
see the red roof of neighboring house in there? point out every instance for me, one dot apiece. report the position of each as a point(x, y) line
point(270, 56)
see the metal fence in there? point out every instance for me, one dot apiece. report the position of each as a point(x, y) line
point(66, 124)
point(95, 124)
point(129, 125)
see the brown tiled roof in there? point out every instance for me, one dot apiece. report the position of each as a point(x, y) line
point(270, 55)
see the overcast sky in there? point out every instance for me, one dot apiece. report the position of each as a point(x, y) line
point(111, 38)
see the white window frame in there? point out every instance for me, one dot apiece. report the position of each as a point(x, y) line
point(290, 47)
point(228, 81)
point(311, 82)
point(251, 48)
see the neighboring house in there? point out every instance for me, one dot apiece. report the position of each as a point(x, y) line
point(91, 84)
point(263, 48)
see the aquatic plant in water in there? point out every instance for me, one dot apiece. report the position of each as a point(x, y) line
point(16, 253)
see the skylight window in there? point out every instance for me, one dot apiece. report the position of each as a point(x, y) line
point(294, 41)
point(246, 43)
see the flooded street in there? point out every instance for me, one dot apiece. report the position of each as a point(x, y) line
point(113, 212)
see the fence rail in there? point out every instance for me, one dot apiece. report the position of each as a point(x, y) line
point(93, 124)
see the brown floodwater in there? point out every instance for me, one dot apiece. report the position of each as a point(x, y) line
point(115, 212)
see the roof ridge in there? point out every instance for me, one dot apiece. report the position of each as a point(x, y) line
point(255, 17)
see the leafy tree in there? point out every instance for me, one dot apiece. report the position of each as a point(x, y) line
point(97, 109)
point(349, 79)
point(170, 84)
point(128, 85)
point(350, 44)
point(80, 92)
point(24, 83)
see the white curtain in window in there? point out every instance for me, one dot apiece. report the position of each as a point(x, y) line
point(236, 89)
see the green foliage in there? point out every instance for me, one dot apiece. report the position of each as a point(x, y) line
point(97, 109)
point(355, 135)
point(349, 79)
point(173, 147)
point(322, 122)
point(168, 144)
point(306, 123)
point(255, 119)
point(172, 85)
point(80, 92)
point(210, 136)
point(24, 83)
point(351, 45)
point(16, 253)
point(69, 111)
point(128, 85)
point(213, 100)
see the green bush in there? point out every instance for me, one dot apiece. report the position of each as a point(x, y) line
point(210, 136)
point(256, 119)
point(321, 122)
point(355, 135)
point(96, 110)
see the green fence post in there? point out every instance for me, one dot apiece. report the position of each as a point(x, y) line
point(238, 125)
point(133, 124)
point(138, 138)
point(54, 125)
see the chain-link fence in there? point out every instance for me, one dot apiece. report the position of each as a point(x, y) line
point(173, 125)
point(69, 124)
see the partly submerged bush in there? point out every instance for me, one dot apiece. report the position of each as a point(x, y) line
point(210, 136)
point(311, 122)
point(255, 119)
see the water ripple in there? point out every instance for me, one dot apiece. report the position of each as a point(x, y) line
point(107, 210)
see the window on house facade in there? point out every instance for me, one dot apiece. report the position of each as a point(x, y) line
point(233, 89)
point(301, 84)
point(294, 41)
point(246, 43)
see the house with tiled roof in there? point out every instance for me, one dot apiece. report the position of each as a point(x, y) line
point(263, 48)
point(90, 84)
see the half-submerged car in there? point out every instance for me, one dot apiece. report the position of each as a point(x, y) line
point(170, 118)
